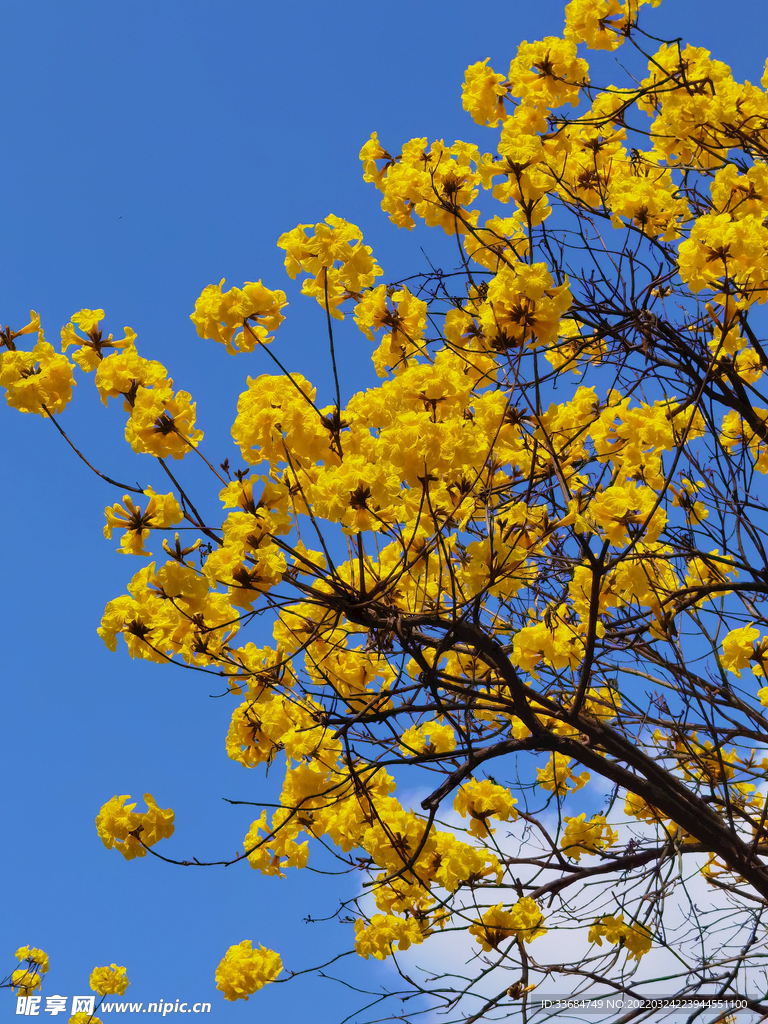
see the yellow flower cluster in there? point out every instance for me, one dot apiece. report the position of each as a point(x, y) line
point(244, 970)
point(558, 777)
point(435, 736)
point(404, 315)
point(635, 938)
point(91, 342)
point(40, 380)
point(247, 562)
point(254, 310)
point(582, 836)
point(636, 807)
point(523, 920)
point(644, 578)
point(335, 241)
point(320, 798)
point(483, 93)
point(162, 511)
point(275, 417)
point(708, 570)
point(25, 980)
point(121, 828)
point(483, 799)
point(161, 422)
point(35, 956)
point(109, 981)
point(740, 647)
point(602, 24)
point(555, 640)
point(701, 112)
point(726, 253)
point(174, 611)
point(437, 184)
point(384, 930)
point(548, 73)
point(523, 305)
point(737, 434)
point(714, 766)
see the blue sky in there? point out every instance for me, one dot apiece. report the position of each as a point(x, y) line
point(150, 148)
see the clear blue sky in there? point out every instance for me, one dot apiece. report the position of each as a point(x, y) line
point(150, 148)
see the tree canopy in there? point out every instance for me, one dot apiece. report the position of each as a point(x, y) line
point(523, 575)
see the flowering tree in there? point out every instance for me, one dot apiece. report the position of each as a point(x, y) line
point(524, 573)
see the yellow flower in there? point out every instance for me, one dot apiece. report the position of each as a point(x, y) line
point(334, 241)
point(601, 24)
point(162, 423)
point(36, 957)
point(369, 154)
point(109, 981)
point(523, 919)
point(384, 930)
point(558, 777)
point(218, 315)
point(123, 373)
point(635, 938)
point(739, 648)
point(482, 800)
point(157, 823)
point(25, 980)
point(435, 183)
point(555, 640)
point(435, 737)
point(548, 72)
point(636, 807)
point(483, 94)
point(33, 327)
point(356, 494)
point(90, 349)
point(648, 197)
point(621, 505)
point(162, 511)
point(121, 828)
point(88, 319)
point(523, 305)
point(37, 381)
point(244, 970)
point(582, 836)
point(697, 127)
point(276, 421)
